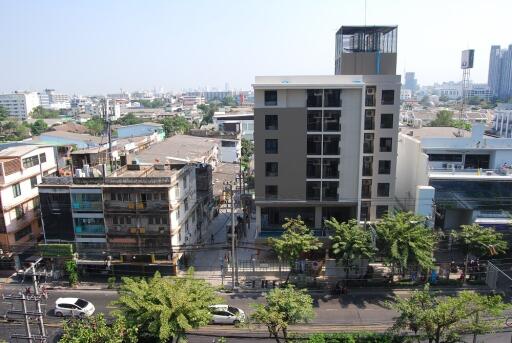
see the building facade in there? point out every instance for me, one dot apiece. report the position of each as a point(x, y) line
point(21, 170)
point(19, 104)
point(410, 82)
point(502, 121)
point(500, 72)
point(325, 146)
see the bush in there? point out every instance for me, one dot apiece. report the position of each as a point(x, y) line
point(362, 337)
point(72, 271)
point(111, 282)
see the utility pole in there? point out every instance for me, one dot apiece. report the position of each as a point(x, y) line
point(106, 117)
point(229, 189)
point(29, 337)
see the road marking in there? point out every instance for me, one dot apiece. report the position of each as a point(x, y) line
point(111, 306)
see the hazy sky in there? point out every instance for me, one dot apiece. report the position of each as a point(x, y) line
point(94, 46)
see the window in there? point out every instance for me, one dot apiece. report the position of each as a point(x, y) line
point(369, 99)
point(330, 190)
point(271, 168)
point(332, 120)
point(185, 182)
point(33, 181)
point(19, 211)
point(178, 212)
point(271, 192)
point(228, 144)
point(330, 168)
point(314, 98)
point(270, 98)
point(177, 191)
point(388, 97)
point(30, 161)
point(368, 143)
point(185, 203)
point(163, 196)
point(313, 190)
point(369, 119)
point(386, 144)
point(386, 121)
point(365, 210)
point(16, 190)
point(271, 122)
point(385, 167)
point(22, 233)
point(331, 145)
point(445, 158)
point(42, 157)
point(271, 146)
point(366, 188)
point(314, 146)
point(367, 165)
point(383, 189)
point(313, 168)
point(314, 120)
point(332, 98)
point(381, 210)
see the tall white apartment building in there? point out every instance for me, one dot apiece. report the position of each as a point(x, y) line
point(19, 104)
point(52, 100)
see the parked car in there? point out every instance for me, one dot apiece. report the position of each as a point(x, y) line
point(74, 307)
point(225, 314)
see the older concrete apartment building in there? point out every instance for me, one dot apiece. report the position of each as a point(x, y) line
point(325, 146)
point(19, 104)
point(22, 168)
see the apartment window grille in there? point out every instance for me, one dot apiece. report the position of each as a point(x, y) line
point(388, 97)
point(271, 169)
point(330, 190)
point(271, 191)
point(369, 119)
point(366, 188)
point(368, 143)
point(331, 168)
point(332, 98)
point(16, 190)
point(369, 99)
point(314, 120)
point(33, 181)
point(331, 144)
point(42, 157)
point(313, 190)
point(313, 168)
point(386, 144)
point(385, 167)
point(271, 98)
point(383, 189)
point(30, 161)
point(367, 165)
point(332, 120)
point(271, 146)
point(271, 122)
point(386, 121)
point(314, 97)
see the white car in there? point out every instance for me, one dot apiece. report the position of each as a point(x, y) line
point(74, 307)
point(224, 314)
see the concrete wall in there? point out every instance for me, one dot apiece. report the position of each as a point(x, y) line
point(411, 171)
point(365, 63)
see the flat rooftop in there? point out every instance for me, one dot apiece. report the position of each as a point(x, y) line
point(9, 151)
point(180, 147)
point(320, 81)
point(46, 136)
point(434, 132)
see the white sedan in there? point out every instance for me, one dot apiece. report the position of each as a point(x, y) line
point(225, 314)
point(74, 307)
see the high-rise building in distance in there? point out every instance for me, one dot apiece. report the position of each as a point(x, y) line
point(500, 72)
point(410, 81)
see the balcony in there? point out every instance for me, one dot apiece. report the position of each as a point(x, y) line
point(136, 206)
point(87, 206)
point(90, 228)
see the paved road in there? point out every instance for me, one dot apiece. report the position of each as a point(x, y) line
point(362, 310)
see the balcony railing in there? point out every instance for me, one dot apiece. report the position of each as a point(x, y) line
point(90, 228)
point(471, 172)
point(139, 206)
point(87, 206)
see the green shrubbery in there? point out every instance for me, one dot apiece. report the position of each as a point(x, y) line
point(361, 337)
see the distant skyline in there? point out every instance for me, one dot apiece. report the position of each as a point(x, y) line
point(100, 46)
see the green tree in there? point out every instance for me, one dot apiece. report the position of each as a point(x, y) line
point(461, 124)
point(247, 152)
point(443, 319)
point(403, 239)
point(176, 125)
point(4, 114)
point(129, 119)
point(443, 118)
point(283, 307)
point(479, 241)
point(164, 308)
point(229, 101)
point(474, 101)
point(425, 101)
point(295, 241)
point(95, 329)
point(350, 242)
point(155, 103)
point(38, 127)
point(208, 111)
point(72, 270)
point(42, 113)
point(95, 125)
point(443, 98)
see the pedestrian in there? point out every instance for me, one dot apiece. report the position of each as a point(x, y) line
point(212, 239)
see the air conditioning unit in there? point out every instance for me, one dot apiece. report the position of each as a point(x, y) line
point(370, 91)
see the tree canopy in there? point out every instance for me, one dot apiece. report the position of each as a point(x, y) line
point(443, 118)
point(129, 119)
point(11, 129)
point(296, 240)
point(95, 329)
point(480, 241)
point(247, 151)
point(208, 112)
point(284, 307)
point(403, 239)
point(4, 113)
point(443, 319)
point(155, 103)
point(95, 125)
point(176, 125)
point(165, 308)
point(229, 101)
point(350, 241)
point(44, 113)
point(38, 127)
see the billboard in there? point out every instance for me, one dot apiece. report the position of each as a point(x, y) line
point(467, 59)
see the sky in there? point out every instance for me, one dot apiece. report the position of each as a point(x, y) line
point(99, 46)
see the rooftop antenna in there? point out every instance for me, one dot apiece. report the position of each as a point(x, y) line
point(466, 64)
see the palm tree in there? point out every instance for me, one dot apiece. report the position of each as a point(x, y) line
point(350, 242)
point(404, 239)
